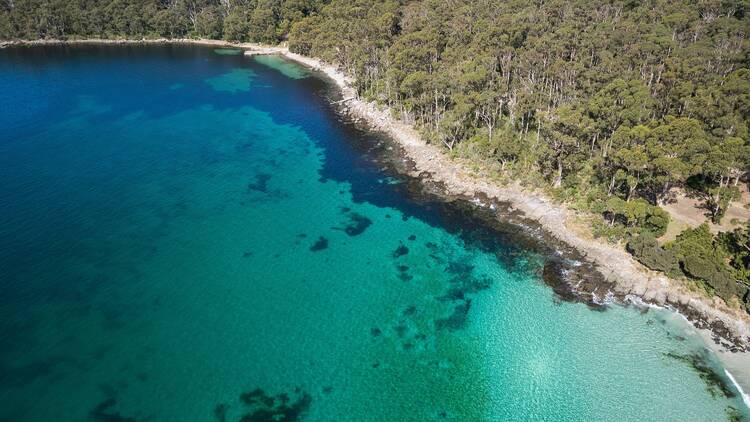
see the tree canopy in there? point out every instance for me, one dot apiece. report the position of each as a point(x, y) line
point(608, 103)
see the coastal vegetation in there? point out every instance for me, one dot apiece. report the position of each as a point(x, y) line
point(609, 106)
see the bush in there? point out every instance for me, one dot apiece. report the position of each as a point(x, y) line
point(703, 259)
point(638, 215)
point(647, 251)
point(613, 233)
point(697, 254)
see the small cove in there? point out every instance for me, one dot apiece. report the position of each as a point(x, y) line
point(195, 235)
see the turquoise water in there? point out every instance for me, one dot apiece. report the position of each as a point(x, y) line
point(194, 235)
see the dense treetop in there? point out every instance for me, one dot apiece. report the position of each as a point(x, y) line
point(609, 104)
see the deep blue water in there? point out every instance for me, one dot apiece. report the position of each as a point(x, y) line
point(194, 235)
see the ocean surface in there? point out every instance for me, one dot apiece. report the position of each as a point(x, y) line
point(188, 234)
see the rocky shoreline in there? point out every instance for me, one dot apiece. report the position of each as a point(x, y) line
point(621, 275)
point(600, 272)
point(589, 270)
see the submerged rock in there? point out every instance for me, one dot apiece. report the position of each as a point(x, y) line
point(405, 277)
point(260, 184)
point(320, 244)
point(357, 224)
point(459, 268)
point(220, 412)
point(102, 412)
point(400, 251)
point(266, 408)
point(715, 383)
point(410, 310)
point(457, 320)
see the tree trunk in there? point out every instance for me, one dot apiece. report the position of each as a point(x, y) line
point(611, 186)
point(664, 192)
point(558, 179)
point(631, 190)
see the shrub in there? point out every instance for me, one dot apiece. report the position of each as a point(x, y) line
point(638, 215)
point(613, 233)
point(701, 258)
point(647, 251)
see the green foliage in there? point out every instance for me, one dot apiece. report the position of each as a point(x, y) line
point(646, 249)
point(704, 259)
point(637, 214)
point(610, 104)
point(208, 23)
point(718, 201)
point(236, 26)
point(613, 233)
point(234, 20)
point(699, 255)
point(737, 246)
point(262, 23)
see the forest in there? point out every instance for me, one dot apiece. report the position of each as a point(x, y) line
point(606, 105)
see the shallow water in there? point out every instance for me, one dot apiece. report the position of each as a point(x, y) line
point(194, 235)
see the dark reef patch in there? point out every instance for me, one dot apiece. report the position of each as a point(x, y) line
point(400, 251)
point(256, 396)
point(49, 368)
point(588, 287)
point(459, 268)
point(457, 320)
point(260, 184)
point(280, 408)
point(460, 286)
point(401, 329)
point(553, 276)
point(733, 414)
point(220, 412)
point(720, 333)
point(102, 413)
point(715, 383)
point(403, 273)
point(356, 225)
point(320, 244)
